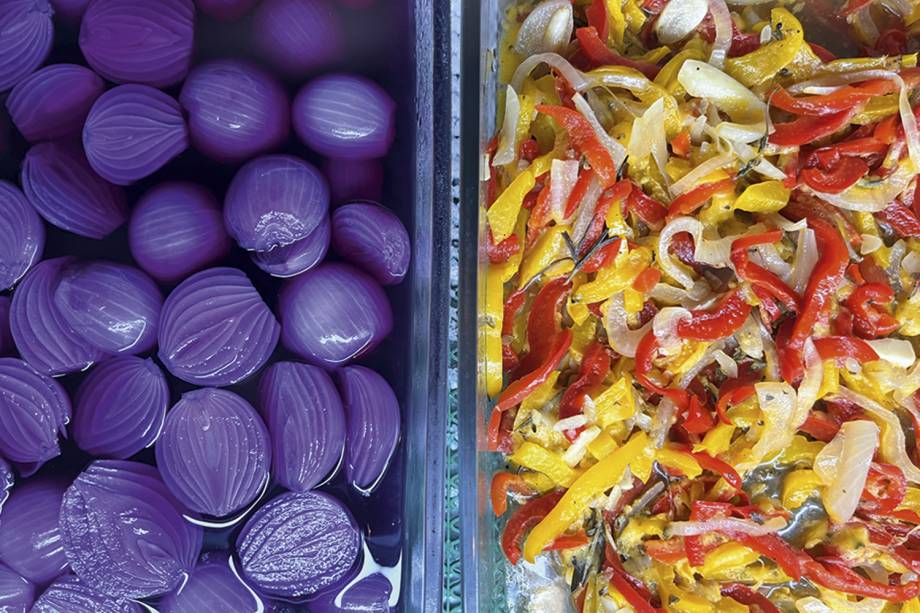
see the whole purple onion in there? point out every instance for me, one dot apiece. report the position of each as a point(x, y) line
point(119, 407)
point(27, 35)
point(373, 238)
point(34, 410)
point(7, 346)
point(354, 179)
point(298, 544)
point(298, 36)
point(6, 482)
point(345, 116)
point(306, 421)
point(23, 232)
point(16, 593)
point(53, 101)
point(214, 585)
point(177, 229)
point(297, 257)
point(274, 201)
point(132, 131)
point(70, 10)
point(235, 109)
point(225, 10)
point(30, 540)
point(138, 41)
point(333, 314)
point(215, 329)
point(123, 532)
point(58, 181)
point(43, 337)
point(70, 595)
point(372, 593)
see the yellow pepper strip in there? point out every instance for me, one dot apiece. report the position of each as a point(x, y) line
point(602, 445)
point(911, 606)
point(583, 335)
point(492, 332)
point(528, 102)
point(801, 451)
point(616, 22)
point(615, 277)
point(908, 313)
point(549, 248)
point(534, 457)
point(679, 460)
point(762, 65)
point(503, 213)
point(799, 486)
point(765, 197)
point(875, 109)
point(542, 395)
point(633, 14)
point(678, 599)
point(638, 529)
point(830, 380)
point(633, 300)
point(596, 480)
point(615, 403)
point(690, 355)
point(724, 562)
point(911, 500)
point(717, 440)
point(538, 481)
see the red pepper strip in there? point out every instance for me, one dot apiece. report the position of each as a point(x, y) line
point(543, 322)
point(892, 41)
point(886, 130)
point(645, 354)
point(885, 488)
point(510, 358)
point(698, 419)
point(742, 43)
point(629, 593)
point(690, 201)
point(759, 276)
point(539, 215)
point(601, 258)
point(866, 146)
point(525, 518)
point(769, 307)
point(775, 548)
point(719, 467)
point(901, 219)
point(809, 129)
point(568, 541)
point(585, 140)
point(611, 197)
point(732, 391)
point(717, 323)
point(842, 99)
point(820, 427)
point(513, 304)
point(836, 179)
point(841, 348)
point(845, 580)
point(646, 208)
point(646, 280)
point(596, 14)
point(746, 596)
point(600, 55)
point(502, 483)
point(680, 145)
point(853, 6)
point(594, 368)
point(870, 319)
point(504, 250)
point(578, 192)
point(529, 149)
point(523, 387)
point(683, 248)
point(498, 435)
point(669, 551)
point(805, 206)
point(823, 54)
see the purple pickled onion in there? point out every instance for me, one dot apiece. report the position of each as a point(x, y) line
point(53, 102)
point(333, 314)
point(23, 235)
point(16, 593)
point(298, 544)
point(123, 532)
point(225, 10)
point(138, 41)
point(177, 229)
point(215, 329)
point(30, 539)
point(213, 454)
point(354, 179)
point(274, 201)
point(34, 410)
point(298, 36)
point(297, 257)
point(7, 346)
point(6, 482)
point(345, 116)
point(112, 306)
point(304, 415)
point(215, 585)
point(370, 594)
point(119, 407)
point(43, 337)
point(70, 10)
point(132, 131)
point(372, 418)
point(58, 181)
point(235, 109)
point(26, 35)
point(372, 237)
point(70, 595)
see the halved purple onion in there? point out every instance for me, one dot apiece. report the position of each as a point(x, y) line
point(177, 229)
point(225, 10)
point(119, 407)
point(354, 179)
point(70, 595)
point(304, 414)
point(43, 337)
point(298, 544)
point(27, 35)
point(7, 346)
point(53, 101)
point(333, 314)
point(16, 593)
point(112, 306)
point(215, 585)
point(62, 187)
point(297, 257)
point(298, 36)
point(274, 201)
point(138, 41)
point(23, 235)
point(34, 410)
point(373, 238)
point(132, 131)
point(345, 116)
point(30, 540)
point(235, 109)
point(372, 593)
point(70, 10)
point(6, 482)
point(215, 329)
point(372, 416)
point(214, 452)
point(123, 532)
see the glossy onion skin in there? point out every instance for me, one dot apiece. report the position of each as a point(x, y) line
point(354, 179)
point(23, 235)
point(114, 515)
point(119, 407)
point(177, 229)
point(112, 306)
point(369, 594)
point(213, 586)
point(345, 116)
point(236, 110)
point(305, 418)
point(16, 593)
point(333, 314)
point(53, 101)
point(138, 41)
point(59, 182)
point(298, 36)
point(132, 131)
point(30, 540)
point(6, 482)
point(43, 337)
point(27, 37)
point(274, 201)
point(70, 595)
point(213, 454)
point(215, 330)
point(298, 544)
point(225, 10)
point(34, 410)
point(7, 346)
point(298, 257)
point(373, 238)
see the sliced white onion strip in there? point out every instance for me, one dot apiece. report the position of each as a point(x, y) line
point(690, 299)
point(679, 19)
point(722, 20)
point(586, 209)
point(807, 394)
point(803, 263)
point(621, 339)
point(547, 28)
point(615, 149)
point(870, 244)
point(689, 180)
point(666, 260)
point(563, 175)
point(648, 137)
point(709, 356)
point(576, 451)
point(911, 263)
point(662, 421)
point(571, 74)
point(507, 147)
point(895, 351)
point(768, 257)
point(728, 524)
point(858, 441)
point(664, 326)
point(778, 406)
point(785, 225)
point(729, 366)
point(570, 423)
point(705, 81)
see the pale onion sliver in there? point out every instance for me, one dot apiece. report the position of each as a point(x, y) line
point(586, 209)
point(666, 260)
point(507, 149)
point(621, 339)
point(707, 82)
point(571, 74)
point(689, 180)
point(547, 28)
point(803, 263)
point(679, 19)
point(728, 524)
point(563, 175)
point(841, 496)
point(722, 19)
point(896, 351)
